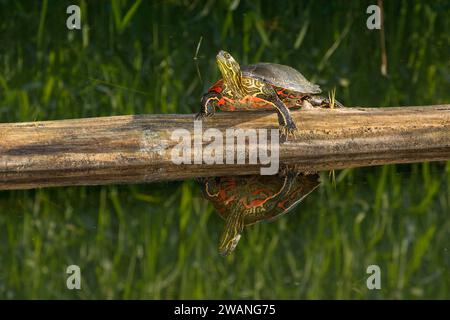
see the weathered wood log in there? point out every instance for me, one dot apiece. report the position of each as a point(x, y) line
point(137, 148)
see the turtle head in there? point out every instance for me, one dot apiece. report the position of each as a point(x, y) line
point(230, 69)
point(234, 224)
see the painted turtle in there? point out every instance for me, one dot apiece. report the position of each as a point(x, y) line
point(261, 86)
point(245, 200)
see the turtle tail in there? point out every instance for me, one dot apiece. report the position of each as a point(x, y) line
point(234, 224)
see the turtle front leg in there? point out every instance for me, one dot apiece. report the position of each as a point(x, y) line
point(287, 124)
point(208, 105)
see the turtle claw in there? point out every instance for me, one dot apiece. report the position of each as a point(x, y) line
point(288, 132)
point(337, 104)
point(303, 170)
point(286, 170)
point(203, 115)
point(295, 170)
point(200, 116)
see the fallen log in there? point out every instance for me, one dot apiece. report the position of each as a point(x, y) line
point(137, 148)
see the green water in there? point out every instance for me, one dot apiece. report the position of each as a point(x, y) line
point(160, 240)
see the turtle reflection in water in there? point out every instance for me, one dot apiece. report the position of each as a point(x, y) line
point(245, 200)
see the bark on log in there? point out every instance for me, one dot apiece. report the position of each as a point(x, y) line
point(137, 148)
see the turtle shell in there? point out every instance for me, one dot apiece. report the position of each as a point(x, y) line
point(281, 76)
point(258, 197)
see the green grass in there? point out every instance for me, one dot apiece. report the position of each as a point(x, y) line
point(160, 240)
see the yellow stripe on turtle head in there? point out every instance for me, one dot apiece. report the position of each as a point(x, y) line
point(230, 69)
point(234, 224)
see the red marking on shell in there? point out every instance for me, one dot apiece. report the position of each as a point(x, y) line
point(227, 107)
point(226, 104)
point(255, 203)
point(222, 194)
point(265, 194)
point(217, 87)
point(282, 203)
point(229, 184)
point(251, 99)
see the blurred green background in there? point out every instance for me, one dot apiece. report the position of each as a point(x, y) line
point(160, 240)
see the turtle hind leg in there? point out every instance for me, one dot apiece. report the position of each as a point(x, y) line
point(323, 102)
point(208, 105)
